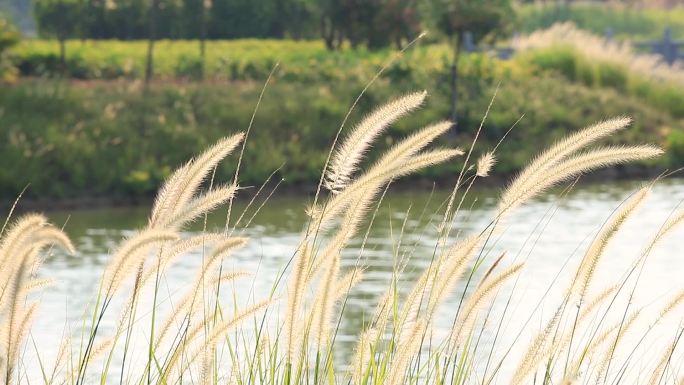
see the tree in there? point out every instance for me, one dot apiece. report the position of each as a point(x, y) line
point(373, 23)
point(204, 15)
point(151, 38)
point(234, 19)
point(60, 19)
point(119, 19)
point(300, 18)
point(397, 20)
point(331, 23)
point(477, 17)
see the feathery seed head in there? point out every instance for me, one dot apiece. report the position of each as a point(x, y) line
point(180, 187)
point(485, 164)
point(345, 160)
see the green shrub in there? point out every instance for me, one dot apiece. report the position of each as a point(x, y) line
point(561, 60)
point(189, 67)
point(611, 76)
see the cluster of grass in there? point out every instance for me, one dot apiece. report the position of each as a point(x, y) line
point(116, 140)
point(289, 337)
point(588, 59)
point(578, 68)
point(626, 22)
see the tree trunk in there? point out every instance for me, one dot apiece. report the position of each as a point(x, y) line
point(453, 115)
point(278, 28)
point(152, 36)
point(203, 38)
point(328, 33)
point(61, 37)
point(62, 55)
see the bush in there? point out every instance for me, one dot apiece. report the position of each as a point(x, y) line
point(189, 67)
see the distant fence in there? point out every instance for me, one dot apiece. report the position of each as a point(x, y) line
point(668, 48)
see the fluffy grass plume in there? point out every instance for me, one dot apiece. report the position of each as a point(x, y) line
point(352, 149)
point(485, 164)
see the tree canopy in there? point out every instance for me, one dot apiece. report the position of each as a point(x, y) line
point(480, 17)
point(370, 23)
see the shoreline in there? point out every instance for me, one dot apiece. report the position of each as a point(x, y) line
point(420, 184)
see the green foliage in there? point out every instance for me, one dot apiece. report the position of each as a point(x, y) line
point(73, 129)
point(375, 24)
point(58, 18)
point(182, 19)
point(480, 17)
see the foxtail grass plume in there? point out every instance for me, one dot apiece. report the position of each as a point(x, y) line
point(485, 164)
point(347, 157)
point(177, 192)
point(526, 187)
point(321, 314)
point(485, 290)
point(402, 159)
point(20, 249)
point(295, 296)
point(596, 250)
point(406, 350)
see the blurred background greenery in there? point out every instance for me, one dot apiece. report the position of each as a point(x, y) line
point(102, 98)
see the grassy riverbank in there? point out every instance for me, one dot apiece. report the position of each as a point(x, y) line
point(70, 140)
point(101, 134)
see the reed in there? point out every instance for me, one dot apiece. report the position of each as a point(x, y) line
point(290, 337)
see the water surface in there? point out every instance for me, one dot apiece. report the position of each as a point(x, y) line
point(549, 235)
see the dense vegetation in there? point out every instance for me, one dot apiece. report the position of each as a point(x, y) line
point(374, 24)
point(105, 138)
point(103, 115)
point(234, 18)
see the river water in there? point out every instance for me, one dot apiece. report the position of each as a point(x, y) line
point(548, 234)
